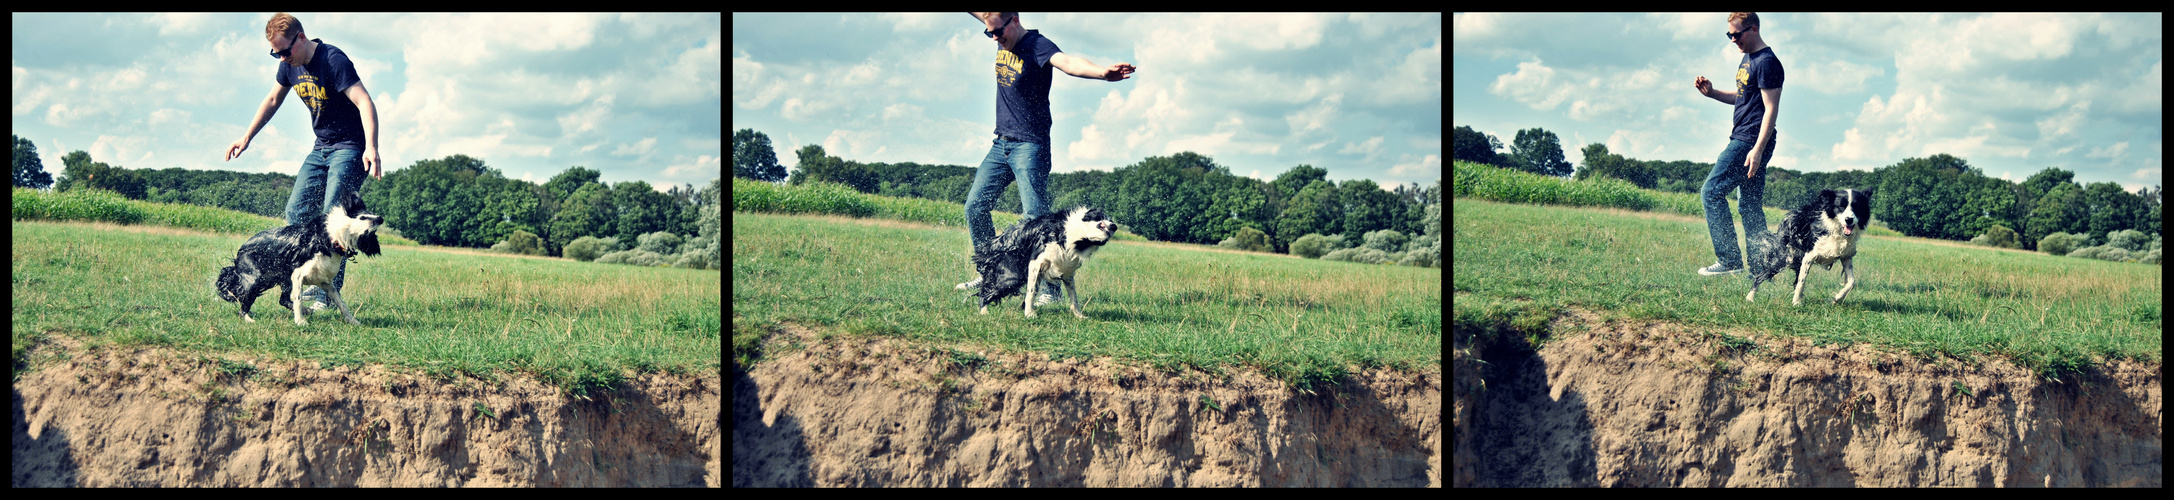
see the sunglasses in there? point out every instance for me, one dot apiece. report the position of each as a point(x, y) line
point(999, 29)
point(290, 48)
point(1733, 35)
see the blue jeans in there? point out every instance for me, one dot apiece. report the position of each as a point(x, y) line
point(337, 169)
point(1007, 160)
point(1728, 175)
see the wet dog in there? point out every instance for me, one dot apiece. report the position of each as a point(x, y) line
point(1050, 247)
point(1822, 232)
point(296, 256)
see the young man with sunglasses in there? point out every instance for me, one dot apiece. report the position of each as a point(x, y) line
point(341, 114)
point(1751, 143)
point(1020, 151)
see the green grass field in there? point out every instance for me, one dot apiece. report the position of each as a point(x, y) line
point(1517, 263)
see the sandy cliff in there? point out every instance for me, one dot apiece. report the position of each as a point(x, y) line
point(148, 418)
point(1643, 404)
point(864, 412)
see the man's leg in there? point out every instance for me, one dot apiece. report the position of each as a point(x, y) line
point(990, 179)
point(1727, 174)
point(344, 175)
point(307, 202)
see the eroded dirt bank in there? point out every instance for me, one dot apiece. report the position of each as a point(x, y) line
point(1629, 403)
point(856, 412)
point(149, 418)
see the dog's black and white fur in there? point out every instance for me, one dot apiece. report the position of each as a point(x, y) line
point(296, 256)
point(1050, 247)
point(1821, 232)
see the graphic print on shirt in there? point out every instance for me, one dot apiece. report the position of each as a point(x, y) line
point(1007, 68)
point(1743, 77)
point(312, 94)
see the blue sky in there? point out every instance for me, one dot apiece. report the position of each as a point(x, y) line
point(2011, 93)
point(1357, 95)
point(636, 97)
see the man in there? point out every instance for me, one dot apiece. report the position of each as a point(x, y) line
point(1751, 143)
point(341, 113)
point(1021, 148)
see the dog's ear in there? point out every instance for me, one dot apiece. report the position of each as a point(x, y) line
point(368, 243)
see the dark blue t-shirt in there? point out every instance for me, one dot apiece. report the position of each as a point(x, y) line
point(1022, 88)
point(1760, 70)
point(322, 84)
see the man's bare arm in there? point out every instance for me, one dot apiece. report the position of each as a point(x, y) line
point(1083, 68)
point(1767, 134)
point(368, 110)
point(265, 110)
point(1726, 97)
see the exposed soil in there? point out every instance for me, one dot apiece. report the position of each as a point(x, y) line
point(1633, 403)
point(876, 412)
point(145, 417)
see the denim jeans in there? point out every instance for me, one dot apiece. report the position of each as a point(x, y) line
point(1728, 175)
point(341, 171)
point(1008, 159)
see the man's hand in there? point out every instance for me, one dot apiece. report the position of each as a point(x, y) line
point(1118, 71)
point(1702, 85)
point(369, 162)
point(235, 149)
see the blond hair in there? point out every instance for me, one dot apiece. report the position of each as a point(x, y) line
point(991, 16)
point(1751, 19)
point(283, 25)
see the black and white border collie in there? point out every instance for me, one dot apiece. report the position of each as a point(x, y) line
point(1050, 247)
point(296, 256)
point(1821, 232)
